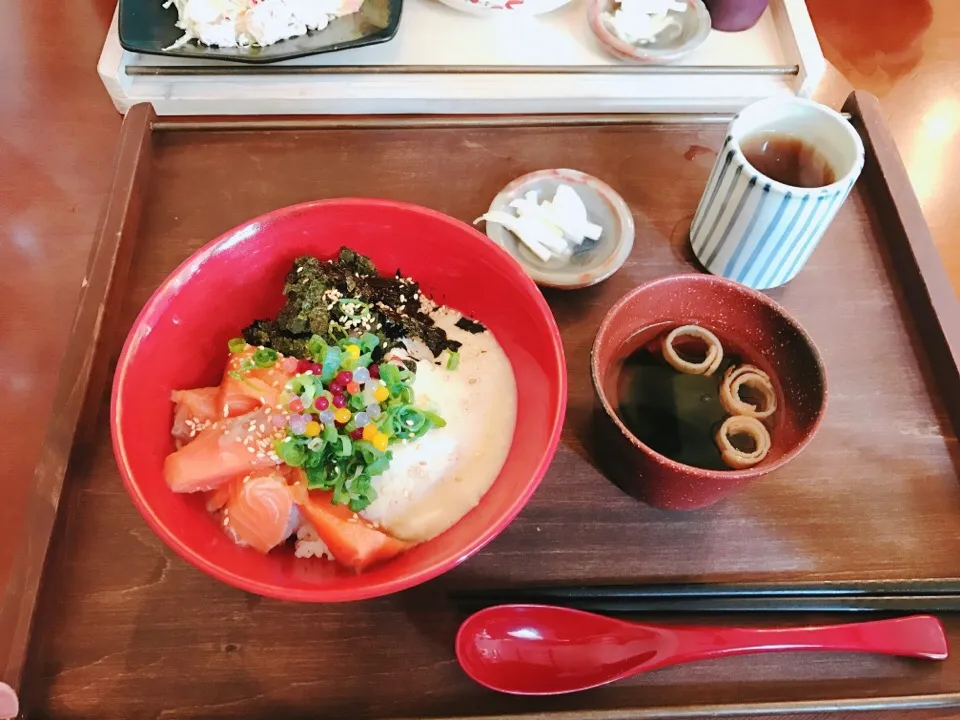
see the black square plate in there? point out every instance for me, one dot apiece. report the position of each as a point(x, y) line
point(146, 27)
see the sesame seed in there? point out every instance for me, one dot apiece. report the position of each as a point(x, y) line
point(250, 450)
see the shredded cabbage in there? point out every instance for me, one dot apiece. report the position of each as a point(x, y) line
point(244, 23)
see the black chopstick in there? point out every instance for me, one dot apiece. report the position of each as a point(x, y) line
point(875, 596)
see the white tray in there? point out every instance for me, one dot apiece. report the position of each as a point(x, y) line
point(443, 61)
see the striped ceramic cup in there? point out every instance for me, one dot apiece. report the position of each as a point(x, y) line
point(756, 230)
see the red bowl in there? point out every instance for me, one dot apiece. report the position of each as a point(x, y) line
point(744, 316)
point(180, 341)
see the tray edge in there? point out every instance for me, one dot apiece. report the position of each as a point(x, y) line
point(929, 293)
point(732, 710)
point(79, 383)
point(927, 287)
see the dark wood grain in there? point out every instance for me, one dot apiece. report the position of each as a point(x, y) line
point(126, 629)
point(58, 135)
point(81, 377)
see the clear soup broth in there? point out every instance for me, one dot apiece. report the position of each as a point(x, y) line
point(674, 413)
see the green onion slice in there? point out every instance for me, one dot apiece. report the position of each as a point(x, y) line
point(292, 453)
point(437, 421)
point(368, 341)
point(265, 357)
point(317, 347)
point(331, 363)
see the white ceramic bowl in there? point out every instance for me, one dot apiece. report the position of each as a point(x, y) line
point(691, 31)
point(594, 261)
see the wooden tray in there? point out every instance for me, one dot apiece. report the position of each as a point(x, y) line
point(124, 628)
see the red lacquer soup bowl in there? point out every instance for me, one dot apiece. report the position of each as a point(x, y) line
point(757, 326)
point(180, 341)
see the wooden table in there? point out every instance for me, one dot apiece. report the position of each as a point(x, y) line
point(58, 132)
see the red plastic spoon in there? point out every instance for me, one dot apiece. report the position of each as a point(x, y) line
point(546, 650)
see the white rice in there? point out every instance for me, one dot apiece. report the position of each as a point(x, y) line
point(309, 544)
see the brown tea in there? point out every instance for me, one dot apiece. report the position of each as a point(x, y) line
point(788, 160)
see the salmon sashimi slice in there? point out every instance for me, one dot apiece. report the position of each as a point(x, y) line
point(226, 449)
point(219, 496)
point(195, 410)
point(254, 387)
point(260, 511)
point(353, 541)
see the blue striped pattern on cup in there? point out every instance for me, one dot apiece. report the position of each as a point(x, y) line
point(757, 231)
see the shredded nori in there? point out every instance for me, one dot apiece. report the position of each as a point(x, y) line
point(269, 333)
point(319, 296)
point(470, 326)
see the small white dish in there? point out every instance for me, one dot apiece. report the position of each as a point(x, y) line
point(672, 44)
point(593, 261)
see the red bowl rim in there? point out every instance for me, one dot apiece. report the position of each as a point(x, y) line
point(721, 476)
point(332, 594)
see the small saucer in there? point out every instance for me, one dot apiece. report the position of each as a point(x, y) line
point(593, 261)
point(670, 45)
